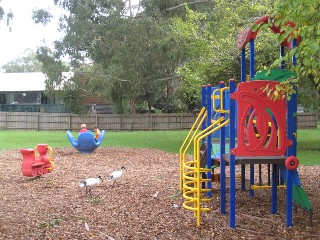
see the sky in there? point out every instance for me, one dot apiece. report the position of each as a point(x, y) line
point(26, 34)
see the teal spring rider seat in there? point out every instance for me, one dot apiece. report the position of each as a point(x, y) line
point(85, 142)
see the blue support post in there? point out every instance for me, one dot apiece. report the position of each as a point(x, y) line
point(292, 123)
point(282, 66)
point(274, 189)
point(252, 70)
point(292, 114)
point(289, 186)
point(294, 44)
point(222, 164)
point(243, 65)
point(292, 150)
point(232, 196)
point(251, 192)
point(203, 102)
point(209, 138)
point(243, 177)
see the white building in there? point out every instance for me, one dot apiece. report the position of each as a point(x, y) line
point(25, 92)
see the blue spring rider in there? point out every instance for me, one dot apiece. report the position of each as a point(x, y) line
point(85, 142)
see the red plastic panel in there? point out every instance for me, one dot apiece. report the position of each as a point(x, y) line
point(27, 161)
point(261, 121)
point(42, 149)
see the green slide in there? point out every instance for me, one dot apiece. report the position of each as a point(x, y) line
point(301, 200)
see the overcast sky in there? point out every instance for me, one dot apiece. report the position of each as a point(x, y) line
point(26, 34)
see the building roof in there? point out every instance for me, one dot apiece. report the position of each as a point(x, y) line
point(24, 82)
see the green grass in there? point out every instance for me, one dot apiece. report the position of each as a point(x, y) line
point(309, 139)
point(169, 141)
point(307, 157)
point(309, 146)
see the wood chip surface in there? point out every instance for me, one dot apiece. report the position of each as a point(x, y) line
point(146, 204)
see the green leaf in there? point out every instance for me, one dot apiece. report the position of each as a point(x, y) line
point(255, 27)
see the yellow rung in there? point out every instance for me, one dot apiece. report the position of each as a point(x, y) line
point(255, 187)
point(258, 135)
point(255, 121)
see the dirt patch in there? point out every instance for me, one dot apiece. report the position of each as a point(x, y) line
point(145, 205)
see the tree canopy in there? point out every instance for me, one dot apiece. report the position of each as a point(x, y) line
point(161, 52)
point(306, 16)
point(26, 63)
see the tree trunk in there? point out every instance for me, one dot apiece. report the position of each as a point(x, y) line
point(169, 88)
point(132, 106)
point(149, 107)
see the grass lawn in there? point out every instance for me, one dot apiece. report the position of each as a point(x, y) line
point(169, 141)
point(309, 146)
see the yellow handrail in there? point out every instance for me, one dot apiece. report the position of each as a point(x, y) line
point(50, 159)
point(215, 97)
point(196, 153)
point(202, 113)
point(190, 172)
point(197, 140)
point(221, 90)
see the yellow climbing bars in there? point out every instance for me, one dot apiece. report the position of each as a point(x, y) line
point(191, 178)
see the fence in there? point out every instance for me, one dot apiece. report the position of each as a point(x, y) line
point(307, 120)
point(114, 122)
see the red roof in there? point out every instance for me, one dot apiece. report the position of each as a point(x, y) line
point(248, 34)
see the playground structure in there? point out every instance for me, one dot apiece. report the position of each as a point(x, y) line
point(36, 166)
point(253, 129)
point(86, 142)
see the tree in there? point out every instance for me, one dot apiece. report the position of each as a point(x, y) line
point(164, 9)
point(305, 28)
point(41, 16)
point(137, 59)
point(209, 42)
point(8, 15)
point(26, 63)
point(69, 89)
point(168, 45)
point(308, 94)
point(131, 62)
point(305, 15)
point(78, 45)
point(1, 13)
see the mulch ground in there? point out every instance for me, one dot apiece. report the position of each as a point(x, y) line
point(145, 205)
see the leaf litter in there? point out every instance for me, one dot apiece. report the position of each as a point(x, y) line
point(54, 207)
